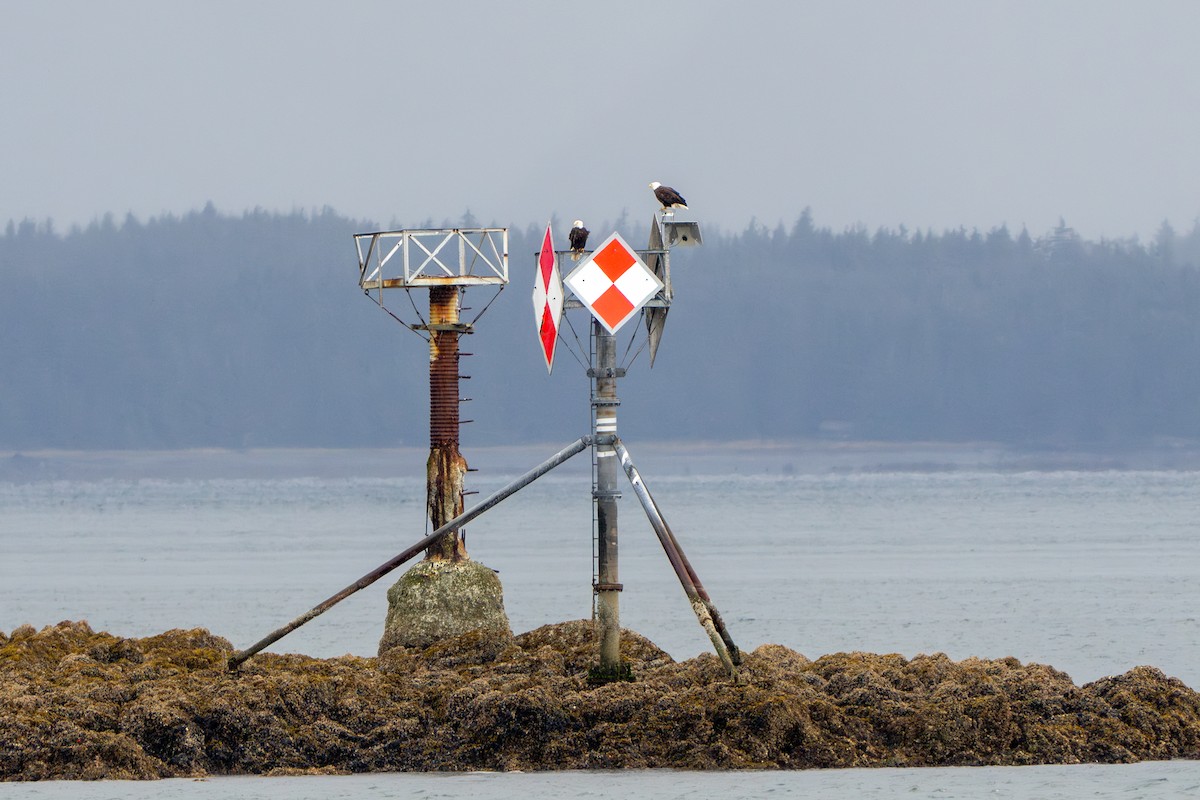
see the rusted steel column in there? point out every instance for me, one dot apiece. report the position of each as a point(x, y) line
point(605, 495)
point(446, 467)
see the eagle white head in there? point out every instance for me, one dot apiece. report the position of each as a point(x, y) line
point(655, 184)
point(577, 223)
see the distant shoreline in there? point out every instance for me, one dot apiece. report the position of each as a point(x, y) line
point(806, 457)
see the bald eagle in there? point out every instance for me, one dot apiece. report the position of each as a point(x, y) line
point(668, 196)
point(578, 238)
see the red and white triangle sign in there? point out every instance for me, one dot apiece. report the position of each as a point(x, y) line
point(547, 299)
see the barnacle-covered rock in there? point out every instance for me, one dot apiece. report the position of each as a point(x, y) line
point(441, 599)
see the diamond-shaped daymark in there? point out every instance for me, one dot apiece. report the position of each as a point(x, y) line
point(613, 283)
point(547, 299)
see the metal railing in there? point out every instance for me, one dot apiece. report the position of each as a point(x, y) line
point(432, 257)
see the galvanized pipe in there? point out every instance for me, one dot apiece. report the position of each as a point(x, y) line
point(705, 611)
point(453, 525)
point(608, 587)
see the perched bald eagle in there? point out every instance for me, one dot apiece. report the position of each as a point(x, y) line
point(668, 196)
point(578, 238)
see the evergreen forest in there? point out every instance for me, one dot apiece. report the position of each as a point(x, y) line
point(240, 331)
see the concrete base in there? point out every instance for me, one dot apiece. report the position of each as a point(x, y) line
point(437, 600)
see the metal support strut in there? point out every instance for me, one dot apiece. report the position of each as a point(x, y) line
point(453, 525)
point(702, 605)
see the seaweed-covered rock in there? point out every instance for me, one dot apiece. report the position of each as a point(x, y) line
point(1161, 711)
point(75, 703)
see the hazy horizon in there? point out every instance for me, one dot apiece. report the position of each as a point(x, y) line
point(931, 115)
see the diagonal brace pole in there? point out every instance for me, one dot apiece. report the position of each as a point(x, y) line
point(702, 605)
point(493, 499)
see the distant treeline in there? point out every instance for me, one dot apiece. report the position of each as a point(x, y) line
point(210, 330)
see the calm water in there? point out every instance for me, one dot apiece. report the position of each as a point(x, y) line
point(1179, 779)
point(1092, 572)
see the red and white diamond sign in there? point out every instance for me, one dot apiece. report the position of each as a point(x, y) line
point(613, 283)
point(547, 299)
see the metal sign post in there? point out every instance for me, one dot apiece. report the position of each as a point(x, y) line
point(614, 283)
point(606, 584)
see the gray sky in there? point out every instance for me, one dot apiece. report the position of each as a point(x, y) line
point(928, 114)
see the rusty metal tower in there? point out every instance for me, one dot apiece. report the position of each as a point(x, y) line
point(446, 261)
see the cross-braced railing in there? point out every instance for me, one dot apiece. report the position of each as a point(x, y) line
point(432, 257)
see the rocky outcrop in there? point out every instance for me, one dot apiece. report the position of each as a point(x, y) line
point(79, 704)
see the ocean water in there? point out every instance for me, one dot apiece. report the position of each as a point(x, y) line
point(1093, 572)
point(1157, 780)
